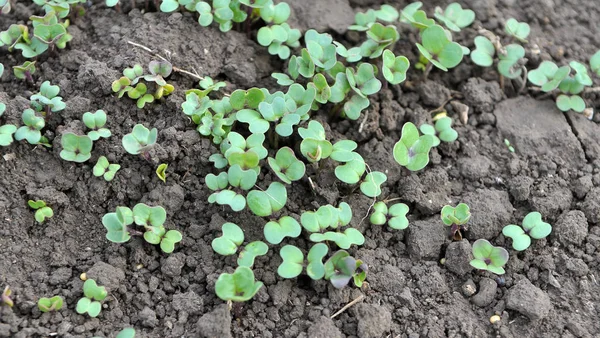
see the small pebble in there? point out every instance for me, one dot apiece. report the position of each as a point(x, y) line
point(83, 276)
point(494, 319)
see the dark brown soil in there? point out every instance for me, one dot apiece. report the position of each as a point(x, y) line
point(550, 290)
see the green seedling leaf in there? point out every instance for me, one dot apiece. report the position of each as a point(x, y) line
point(371, 185)
point(595, 63)
point(265, 203)
point(148, 216)
point(352, 171)
point(116, 228)
point(483, 55)
point(47, 97)
point(315, 268)
point(139, 140)
point(76, 148)
point(364, 20)
point(548, 76)
point(6, 133)
point(343, 240)
point(286, 166)
point(25, 71)
point(509, 65)
point(533, 227)
point(412, 150)
point(31, 130)
point(126, 333)
point(239, 286)
point(489, 257)
point(43, 213)
point(232, 237)
point(282, 79)
point(516, 29)
point(570, 102)
point(250, 252)
point(50, 304)
point(86, 305)
point(168, 241)
point(394, 216)
point(161, 172)
point(168, 6)
point(455, 17)
point(444, 128)
point(95, 122)
point(276, 231)
point(581, 74)
point(394, 67)
point(439, 49)
point(458, 215)
point(93, 291)
point(343, 151)
point(36, 204)
point(154, 235)
point(104, 168)
point(428, 129)
point(293, 262)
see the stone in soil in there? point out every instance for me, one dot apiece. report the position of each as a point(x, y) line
point(571, 227)
point(588, 133)
point(215, 324)
point(486, 293)
point(324, 327)
point(189, 302)
point(458, 256)
point(490, 212)
point(481, 95)
point(425, 239)
point(433, 93)
point(591, 205)
point(373, 320)
point(528, 300)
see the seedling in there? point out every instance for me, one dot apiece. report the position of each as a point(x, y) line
point(91, 303)
point(412, 150)
point(5, 297)
point(352, 171)
point(511, 57)
point(286, 166)
point(208, 85)
point(340, 268)
point(380, 38)
point(394, 216)
point(76, 148)
point(286, 226)
point(250, 252)
point(239, 286)
point(416, 17)
point(50, 304)
point(314, 145)
point(595, 63)
point(548, 75)
point(5, 6)
point(279, 39)
point(235, 177)
point(265, 203)
point(6, 133)
point(95, 122)
point(371, 185)
point(161, 172)
point(139, 140)
point(533, 227)
point(509, 146)
point(443, 127)
point(489, 257)
point(31, 130)
point(42, 211)
point(439, 48)
point(456, 218)
point(126, 332)
point(292, 263)
point(327, 216)
point(315, 268)
point(47, 100)
point(394, 67)
point(344, 240)
point(516, 29)
point(129, 82)
point(455, 17)
point(232, 238)
point(105, 169)
point(25, 71)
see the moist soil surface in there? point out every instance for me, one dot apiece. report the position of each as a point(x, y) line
point(549, 290)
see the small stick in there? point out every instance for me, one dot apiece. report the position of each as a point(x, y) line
point(358, 299)
point(179, 70)
point(524, 80)
point(362, 124)
point(441, 107)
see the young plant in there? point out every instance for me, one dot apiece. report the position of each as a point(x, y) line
point(371, 185)
point(105, 169)
point(128, 332)
point(412, 150)
point(455, 17)
point(91, 303)
point(443, 127)
point(344, 240)
point(95, 122)
point(380, 37)
point(489, 257)
point(293, 262)
point(533, 227)
point(415, 16)
point(239, 286)
point(47, 100)
point(340, 268)
point(50, 304)
point(516, 29)
point(76, 148)
point(130, 82)
point(42, 211)
point(5, 297)
point(439, 49)
point(314, 145)
point(315, 268)
point(279, 39)
point(31, 131)
point(6, 134)
point(394, 67)
point(140, 140)
point(265, 203)
point(25, 71)
point(250, 252)
point(232, 238)
point(5, 6)
point(394, 216)
point(161, 172)
point(351, 171)
point(456, 218)
point(286, 226)
point(286, 166)
point(509, 146)
point(327, 216)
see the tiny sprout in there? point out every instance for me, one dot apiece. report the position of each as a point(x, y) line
point(443, 127)
point(6, 133)
point(509, 146)
point(5, 297)
point(489, 257)
point(394, 67)
point(76, 148)
point(483, 55)
point(286, 166)
point(315, 268)
point(595, 63)
point(286, 226)
point(570, 102)
point(265, 203)
point(239, 286)
point(371, 185)
point(250, 252)
point(209, 85)
point(509, 65)
point(25, 71)
point(439, 48)
point(50, 304)
point(533, 227)
point(48, 98)
point(516, 29)
point(31, 130)
point(116, 225)
point(340, 268)
point(351, 171)
point(161, 171)
point(456, 217)
point(412, 150)
point(548, 76)
point(95, 122)
point(5, 6)
point(394, 216)
point(232, 237)
point(344, 240)
point(416, 17)
point(455, 17)
point(126, 333)
point(139, 140)
point(42, 211)
point(105, 169)
point(314, 145)
point(292, 263)
point(94, 294)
